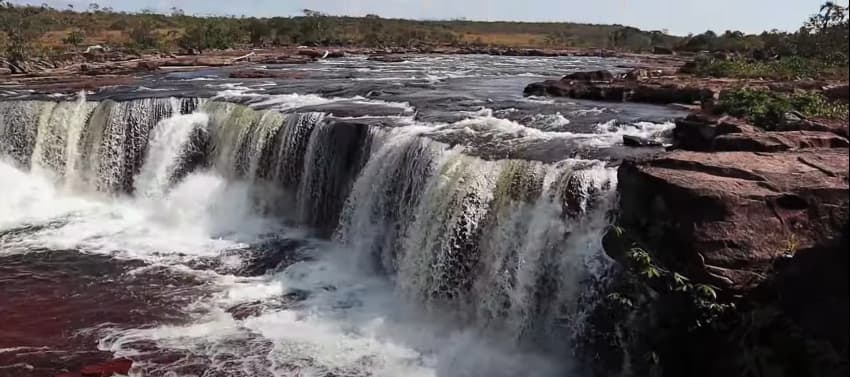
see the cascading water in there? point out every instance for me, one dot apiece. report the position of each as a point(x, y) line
point(434, 252)
point(171, 139)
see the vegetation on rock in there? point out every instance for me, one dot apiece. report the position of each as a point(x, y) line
point(770, 109)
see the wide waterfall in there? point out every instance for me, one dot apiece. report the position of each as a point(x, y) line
point(503, 254)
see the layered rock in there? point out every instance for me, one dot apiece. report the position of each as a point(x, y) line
point(635, 87)
point(701, 132)
point(725, 217)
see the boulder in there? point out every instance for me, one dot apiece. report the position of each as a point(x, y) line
point(724, 218)
point(697, 131)
point(600, 75)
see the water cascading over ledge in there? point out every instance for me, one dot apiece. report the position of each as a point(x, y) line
point(510, 245)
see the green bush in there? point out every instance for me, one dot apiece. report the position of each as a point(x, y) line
point(75, 38)
point(789, 68)
point(768, 109)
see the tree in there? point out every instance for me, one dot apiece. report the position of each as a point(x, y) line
point(142, 34)
point(75, 38)
point(828, 32)
point(258, 31)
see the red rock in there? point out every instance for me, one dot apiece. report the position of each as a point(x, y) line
point(107, 369)
point(777, 141)
point(621, 90)
point(724, 218)
point(284, 59)
point(836, 126)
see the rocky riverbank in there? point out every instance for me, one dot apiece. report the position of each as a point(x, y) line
point(656, 85)
point(733, 244)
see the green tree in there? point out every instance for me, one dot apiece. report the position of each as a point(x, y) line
point(258, 32)
point(142, 34)
point(75, 38)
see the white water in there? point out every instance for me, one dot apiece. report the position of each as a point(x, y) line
point(360, 325)
point(433, 315)
point(168, 141)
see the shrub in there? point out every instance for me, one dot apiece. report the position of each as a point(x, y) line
point(789, 68)
point(768, 109)
point(75, 38)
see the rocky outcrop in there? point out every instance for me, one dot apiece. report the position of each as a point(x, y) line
point(284, 59)
point(602, 86)
point(778, 141)
point(724, 218)
point(703, 132)
point(836, 126)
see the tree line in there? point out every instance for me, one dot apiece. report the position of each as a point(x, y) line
point(27, 31)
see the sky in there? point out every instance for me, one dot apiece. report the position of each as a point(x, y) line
point(677, 16)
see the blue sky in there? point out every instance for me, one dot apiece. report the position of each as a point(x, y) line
point(677, 16)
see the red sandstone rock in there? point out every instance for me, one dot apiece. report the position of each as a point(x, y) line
point(724, 218)
point(586, 86)
point(777, 141)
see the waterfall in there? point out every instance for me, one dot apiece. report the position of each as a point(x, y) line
point(335, 154)
point(171, 141)
point(381, 204)
point(19, 123)
point(508, 245)
point(56, 148)
point(89, 145)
